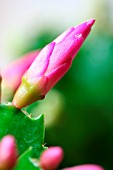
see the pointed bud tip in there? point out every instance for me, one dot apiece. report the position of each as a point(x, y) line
point(90, 22)
point(86, 24)
point(85, 28)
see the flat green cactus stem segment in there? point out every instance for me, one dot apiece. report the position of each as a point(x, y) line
point(29, 132)
point(25, 161)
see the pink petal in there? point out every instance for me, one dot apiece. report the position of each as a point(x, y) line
point(40, 64)
point(62, 36)
point(56, 74)
point(85, 167)
point(64, 50)
point(13, 73)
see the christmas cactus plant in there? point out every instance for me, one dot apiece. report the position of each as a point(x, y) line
point(30, 79)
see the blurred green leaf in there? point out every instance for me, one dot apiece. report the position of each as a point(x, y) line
point(25, 161)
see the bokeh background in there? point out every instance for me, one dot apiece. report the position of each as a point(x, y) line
point(79, 109)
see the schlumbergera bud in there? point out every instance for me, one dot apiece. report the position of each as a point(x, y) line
point(8, 153)
point(0, 86)
point(51, 64)
point(51, 158)
point(85, 167)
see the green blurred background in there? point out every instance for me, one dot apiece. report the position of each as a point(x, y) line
point(79, 109)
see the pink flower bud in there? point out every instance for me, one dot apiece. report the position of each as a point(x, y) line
point(8, 154)
point(13, 73)
point(0, 86)
point(85, 167)
point(51, 65)
point(51, 158)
